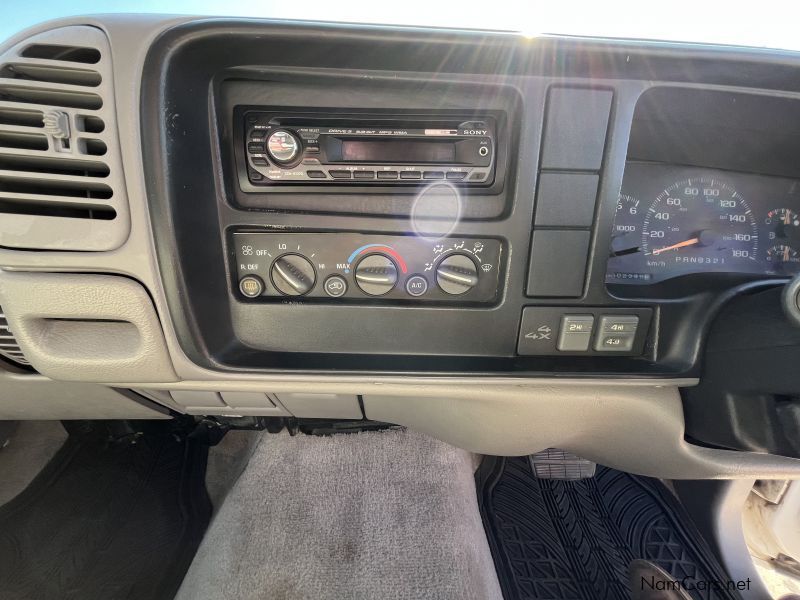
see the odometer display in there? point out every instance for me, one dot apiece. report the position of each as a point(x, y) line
point(699, 224)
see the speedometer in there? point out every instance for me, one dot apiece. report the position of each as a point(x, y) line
point(699, 224)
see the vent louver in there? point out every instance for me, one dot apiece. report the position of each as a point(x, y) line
point(8, 344)
point(61, 184)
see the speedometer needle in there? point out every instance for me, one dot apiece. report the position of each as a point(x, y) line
point(683, 244)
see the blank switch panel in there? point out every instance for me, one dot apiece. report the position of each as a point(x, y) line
point(576, 123)
point(566, 199)
point(575, 128)
point(558, 263)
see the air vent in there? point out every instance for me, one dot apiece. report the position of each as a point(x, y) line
point(61, 185)
point(8, 345)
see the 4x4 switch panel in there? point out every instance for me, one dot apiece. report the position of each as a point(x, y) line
point(579, 330)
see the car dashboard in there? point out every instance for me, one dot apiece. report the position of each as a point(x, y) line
point(508, 243)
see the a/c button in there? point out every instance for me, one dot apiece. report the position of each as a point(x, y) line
point(416, 285)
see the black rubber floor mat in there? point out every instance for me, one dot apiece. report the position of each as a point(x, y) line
point(574, 540)
point(107, 520)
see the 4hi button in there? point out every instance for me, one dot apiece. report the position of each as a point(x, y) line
point(617, 333)
point(335, 286)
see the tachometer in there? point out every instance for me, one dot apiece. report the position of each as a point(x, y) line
point(626, 235)
point(624, 258)
point(699, 224)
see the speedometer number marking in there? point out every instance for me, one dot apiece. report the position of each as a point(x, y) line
point(698, 221)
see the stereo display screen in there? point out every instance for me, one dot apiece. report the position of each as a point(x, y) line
point(398, 151)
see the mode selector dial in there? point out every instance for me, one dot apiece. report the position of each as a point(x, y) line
point(283, 146)
point(293, 275)
point(456, 274)
point(376, 275)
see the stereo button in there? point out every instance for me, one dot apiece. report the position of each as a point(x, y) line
point(433, 175)
point(340, 174)
point(255, 147)
point(387, 174)
point(364, 174)
point(456, 175)
point(316, 174)
point(283, 147)
point(410, 175)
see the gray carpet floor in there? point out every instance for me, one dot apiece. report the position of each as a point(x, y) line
point(384, 515)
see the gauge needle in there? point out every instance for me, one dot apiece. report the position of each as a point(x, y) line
point(683, 244)
point(625, 252)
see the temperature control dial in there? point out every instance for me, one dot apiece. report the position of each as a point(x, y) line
point(283, 147)
point(457, 274)
point(376, 275)
point(293, 275)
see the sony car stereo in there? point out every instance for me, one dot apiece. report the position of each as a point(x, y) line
point(285, 147)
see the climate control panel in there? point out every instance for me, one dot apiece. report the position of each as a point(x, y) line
point(352, 266)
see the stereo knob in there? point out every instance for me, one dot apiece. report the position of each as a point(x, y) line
point(283, 146)
point(457, 274)
point(376, 275)
point(293, 275)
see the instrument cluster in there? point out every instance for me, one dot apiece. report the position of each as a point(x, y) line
point(673, 221)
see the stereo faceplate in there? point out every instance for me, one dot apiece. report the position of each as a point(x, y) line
point(352, 266)
point(375, 148)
